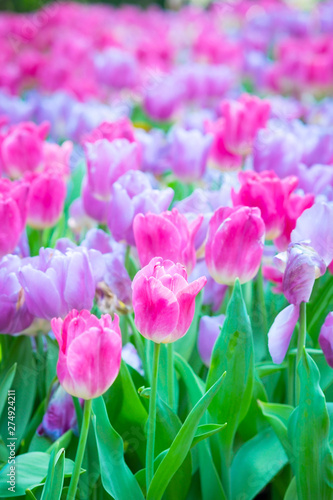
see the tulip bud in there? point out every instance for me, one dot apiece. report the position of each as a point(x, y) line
point(89, 353)
point(46, 198)
point(235, 244)
point(164, 301)
point(168, 235)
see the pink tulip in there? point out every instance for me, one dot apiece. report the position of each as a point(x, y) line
point(21, 149)
point(243, 119)
point(220, 156)
point(163, 300)
point(168, 235)
point(269, 193)
point(13, 213)
point(89, 352)
point(46, 198)
point(235, 244)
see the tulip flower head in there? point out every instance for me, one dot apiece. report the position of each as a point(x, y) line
point(235, 244)
point(164, 301)
point(89, 352)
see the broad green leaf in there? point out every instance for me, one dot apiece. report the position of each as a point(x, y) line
point(6, 381)
point(254, 421)
point(181, 444)
point(210, 482)
point(62, 442)
point(255, 464)
point(117, 478)
point(24, 385)
point(278, 415)
point(320, 304)
point(233, 353)
point(264, 369)
point(30, 470)
point(55, 476)
point(308, 430)
point(185, 345)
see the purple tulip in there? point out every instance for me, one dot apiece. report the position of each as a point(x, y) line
point(106, 162)
point(189, 153)
point(317, 179)
point(55, 283)
point(133, 194)
point(315, 228)
point(60, 415)
point(281, 331)
point(209, 330)
point(213, 293)
point(326, 339)
point(14, 315)
point(304, 266)
point(94, 207)
point(155, 150)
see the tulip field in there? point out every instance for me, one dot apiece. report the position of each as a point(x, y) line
point(166, 251)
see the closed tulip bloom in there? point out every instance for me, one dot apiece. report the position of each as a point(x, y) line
point(13, 213)
point(21, 149)
point(164, 301)
point(46, 198)
point(326, 339)
point(209, 330)
point(106, 162)
point(235, 244)
point(269, 193)
point(89, 353)
point(132, 193)
point(281, 331)
point(189, 153)
point(168, 235)
point(243, 119)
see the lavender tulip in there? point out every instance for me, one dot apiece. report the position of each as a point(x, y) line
point(209, 330)
point(326, 339)
point(133, 194)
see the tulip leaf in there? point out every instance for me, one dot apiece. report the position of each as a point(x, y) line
point(55, 476)
point(308, 430)
point(277, 415)
point(255, 464)
point(181, 444)
point(233, 353)
point(185, 345)
point(210, 482)
point(24, 385)
point(291, 493)
point(5, 385)
point(30, 470)
point(205, 431)
point(117, 478)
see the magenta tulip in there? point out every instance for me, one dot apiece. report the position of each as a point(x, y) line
point(235, 244)
point(89, 352)
point(46, 198)
point(164, 301)
point(168, 235)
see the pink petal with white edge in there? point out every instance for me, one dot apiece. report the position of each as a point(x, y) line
point(93, 362)
point(186, 299)
point(281, 331)
point(156, 309)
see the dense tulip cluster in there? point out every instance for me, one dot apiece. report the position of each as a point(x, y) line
point(166, 216)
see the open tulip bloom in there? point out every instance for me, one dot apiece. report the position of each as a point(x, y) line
point(166, 251)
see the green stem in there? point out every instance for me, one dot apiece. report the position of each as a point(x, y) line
point(291, 380)
point(170, 374)
point(139, 345)
point(261, 297)
point(152, 419)
point(300, 344)
point(80, 450)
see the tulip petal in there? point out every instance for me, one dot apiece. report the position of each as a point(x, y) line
point(281, 331)
point(186, 301)
point(156, 309)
